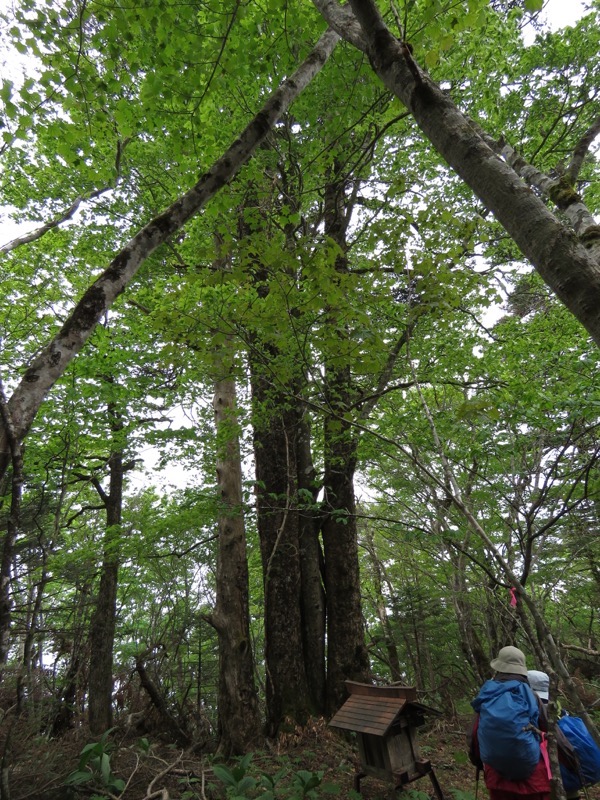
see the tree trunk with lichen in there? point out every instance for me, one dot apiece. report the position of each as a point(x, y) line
point(563, 260)
point(104, 617)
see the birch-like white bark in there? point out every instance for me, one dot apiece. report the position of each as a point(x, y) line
point(53, 360)
point(565, 264)
point(563, 195)
point(558, 190)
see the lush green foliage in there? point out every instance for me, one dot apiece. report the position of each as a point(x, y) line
point(464, 376)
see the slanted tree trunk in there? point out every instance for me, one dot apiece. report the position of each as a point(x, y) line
point(176, 731)
point(564, 261)
point(53, 360)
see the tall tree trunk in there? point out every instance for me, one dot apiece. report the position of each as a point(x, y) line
point(287, 545)
point(73, 681)
point(377, 572)
point(469, 640)
point(103, 622)
point(239, 719)
point(27, 676)
point(312, 567)
point(12, 527)
point(347, 656)
point(275, 442)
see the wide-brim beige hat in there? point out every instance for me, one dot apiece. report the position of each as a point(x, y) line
point(510, 659)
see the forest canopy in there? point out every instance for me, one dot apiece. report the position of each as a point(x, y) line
point(337, 269)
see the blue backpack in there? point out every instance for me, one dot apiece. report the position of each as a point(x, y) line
point(508, 710)
point(587, 752)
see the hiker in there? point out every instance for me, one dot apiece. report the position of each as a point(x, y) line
point(507, 731)
point(540, 683)
point(578, 753)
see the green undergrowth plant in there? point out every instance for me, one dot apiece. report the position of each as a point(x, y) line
point(460, 794)
point(245, 781)
point(94, 770)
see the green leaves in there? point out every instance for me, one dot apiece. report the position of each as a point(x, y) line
point(235, 778)
point(442, 27)
point(95, 768)
point(126, 106)
point(285, 784)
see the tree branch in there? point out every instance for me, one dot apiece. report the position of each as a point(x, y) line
point(53, 360)
point(577, 649)
point(70, 212)
point(581, 150)
point(559, 190)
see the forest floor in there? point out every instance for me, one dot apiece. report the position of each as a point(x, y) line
point(152, 770)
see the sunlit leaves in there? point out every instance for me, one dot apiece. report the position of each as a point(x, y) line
point(127, 105)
